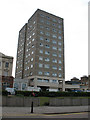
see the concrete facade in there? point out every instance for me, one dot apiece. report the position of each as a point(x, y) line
point(40, 53)
point(27, 85)
point(6, 64)
point(75, 84)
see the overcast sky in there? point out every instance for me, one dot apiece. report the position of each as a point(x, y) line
point(15, 13)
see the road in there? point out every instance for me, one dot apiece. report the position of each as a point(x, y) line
point(69, 115)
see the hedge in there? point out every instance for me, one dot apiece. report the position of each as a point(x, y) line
point(5, 93)
point(53, 94)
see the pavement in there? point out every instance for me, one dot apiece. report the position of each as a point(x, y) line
point(44, 110)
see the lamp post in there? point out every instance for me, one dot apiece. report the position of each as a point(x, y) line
point(32, 102)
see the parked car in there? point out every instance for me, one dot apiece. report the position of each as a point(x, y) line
point(10, 91)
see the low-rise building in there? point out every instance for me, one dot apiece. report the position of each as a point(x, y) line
point(6, 78)
point(84, 83)
point(80, 85)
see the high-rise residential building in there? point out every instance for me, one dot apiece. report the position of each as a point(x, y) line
point(40, 53)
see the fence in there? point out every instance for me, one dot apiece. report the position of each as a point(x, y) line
point(19, 101)
point(26, 101)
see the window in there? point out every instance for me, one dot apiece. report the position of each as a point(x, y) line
point(54, 36)
point(42, 21)
point(31, 59)
point(54, 20)
point(54, 24)
point(41, 51)
point(47, 34)
point(41, 26)
point(31, 66)
point(30, 26)
point(54, 42)
point(59, 21)
point(16, 86)
point(27, 50)
point(46, 73)
point(34, 22)
point(23, 86)
point(40, 73)
point(46, 66)
point(47, 59)
point(59, 26)
point(30, 36)
point(6, 64)
point(54, 30)
point(32, 52)
point(54, 54)
point(41, 32)
point(47, 40)
point(47, 28)
point(40, 65)
point(59, 62)
point(5, 73)
point(41, 44)
point(47, 46)
point(45, 80)
point(40, 58)
point(47, 17)
point(59, 37)
point(60, 68)
point(54, 74)
point(60, 75)
point(39, 80)
point(54, 67)
point(59, 31)
point(54, 81)
point(59, 43)
point(54, 48)
point(33, 33)
point(31, 73)
point(33, 39)
point(32, 46)
point(27, 38)
point(41, 15)
point(47, 53)
point(29, 42)
point(41, 38)
point(47, 22)
point(59, 55)
point(54, 61)
point(33, 28)
point(59, 49)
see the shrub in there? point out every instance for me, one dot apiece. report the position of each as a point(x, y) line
point(53, 94)
point(5, 93)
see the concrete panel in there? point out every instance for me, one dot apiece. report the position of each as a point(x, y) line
point(28, 101)
point(76, 101)
point(20, 101)
point(4, 100)
point(84, 101)
point(67, 102)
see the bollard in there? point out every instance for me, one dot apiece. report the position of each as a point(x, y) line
point(32, 107)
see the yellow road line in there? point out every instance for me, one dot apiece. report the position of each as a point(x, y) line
point(41, 114)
